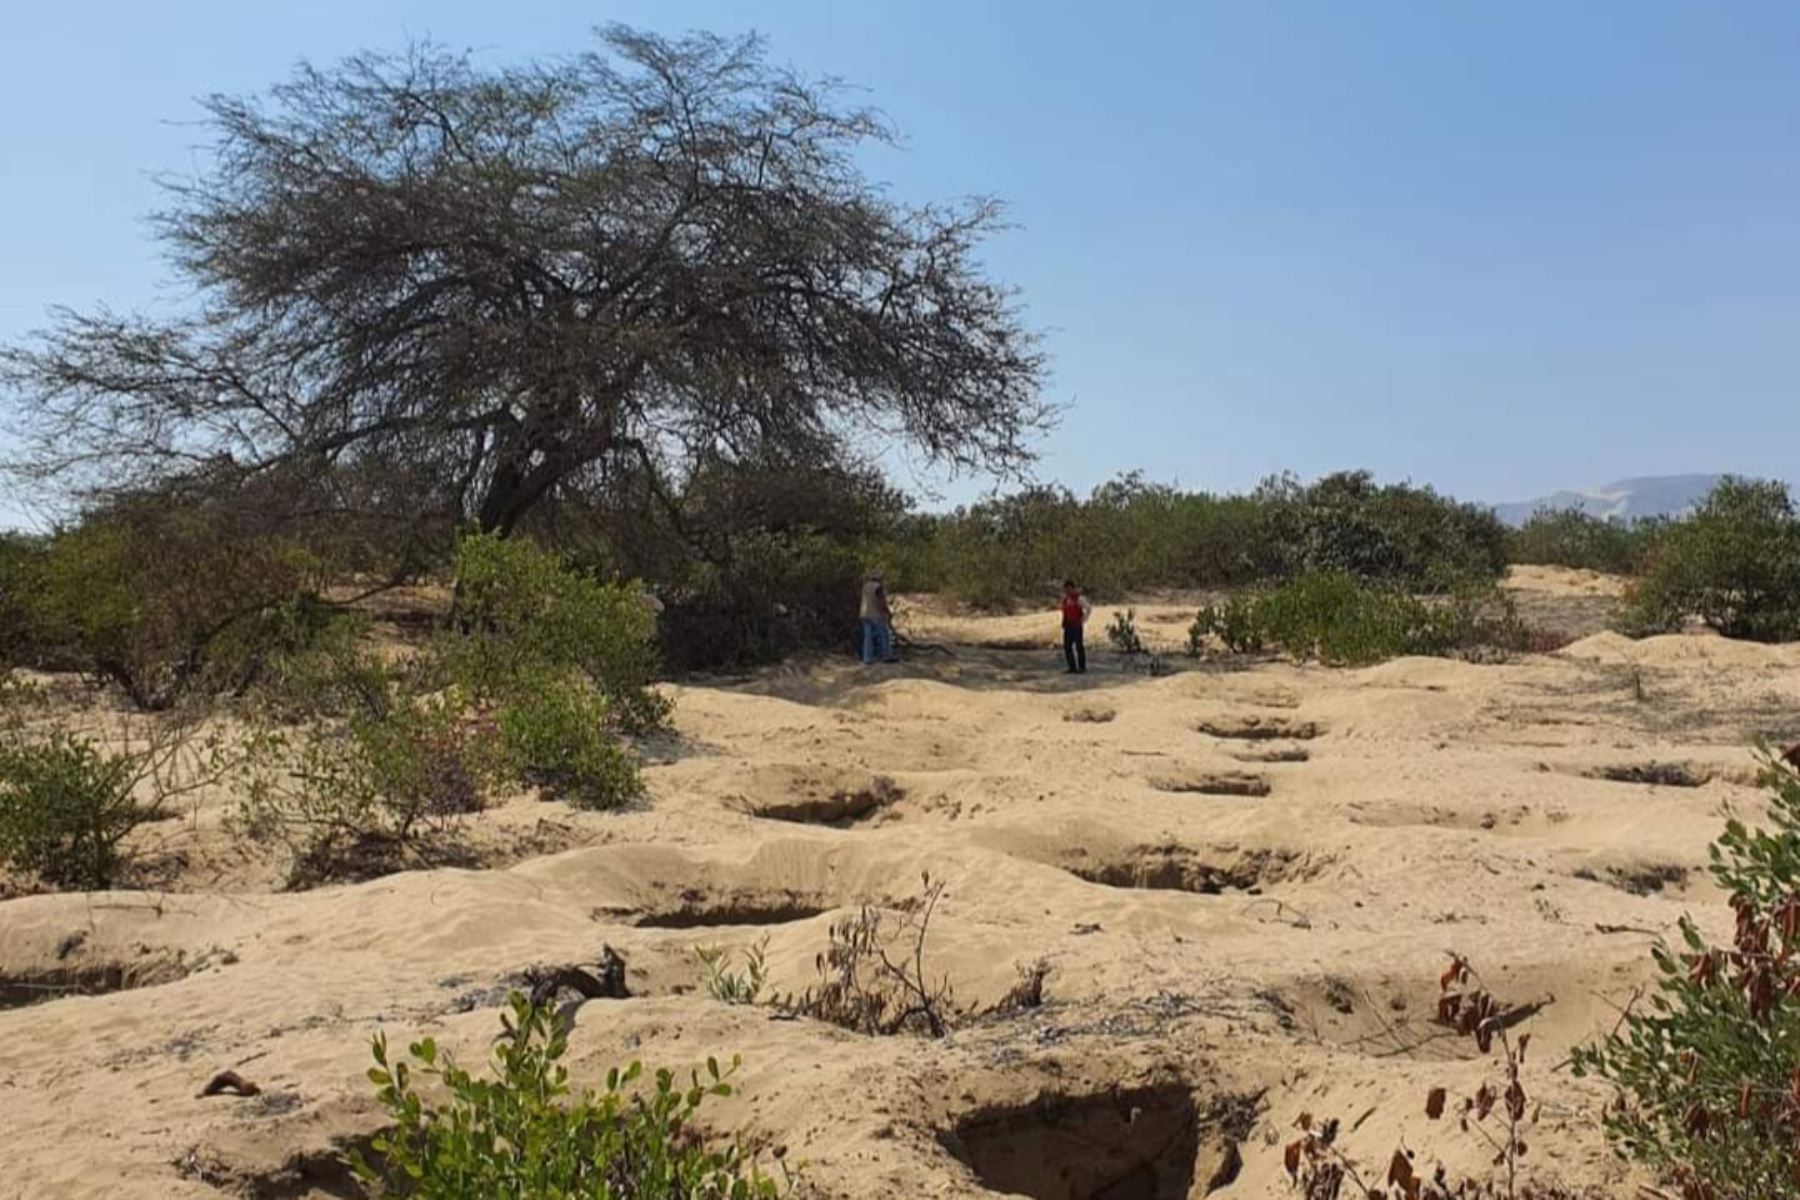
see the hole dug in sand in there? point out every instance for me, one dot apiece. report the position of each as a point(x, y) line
point(1180, 869)
point(1147, 1143)
point(19, 989)
point(1684, 775)
point(694, 909)
point(1259, 728)
point(1211, 783)
point(1275, 754)
point(1637, 878)
point(819, 797)
point(842, 806)
point(301, 1176)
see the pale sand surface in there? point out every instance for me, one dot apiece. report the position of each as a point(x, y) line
point(1440, 805)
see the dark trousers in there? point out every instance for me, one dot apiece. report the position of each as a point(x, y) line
point(1074, 649)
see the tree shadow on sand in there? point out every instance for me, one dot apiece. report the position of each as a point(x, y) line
point(841, 681)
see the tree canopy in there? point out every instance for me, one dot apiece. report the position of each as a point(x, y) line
point(481, 285)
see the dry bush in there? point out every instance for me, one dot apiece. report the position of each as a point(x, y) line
point(873, 978)
point(1498, 1113)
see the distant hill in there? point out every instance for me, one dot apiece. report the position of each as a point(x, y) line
point(1626, 500)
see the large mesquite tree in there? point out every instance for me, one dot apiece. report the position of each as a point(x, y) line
point(494, 282)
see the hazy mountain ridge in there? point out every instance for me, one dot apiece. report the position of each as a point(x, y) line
point(1625, 500)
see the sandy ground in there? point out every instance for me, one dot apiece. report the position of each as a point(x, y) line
point(1240, 927)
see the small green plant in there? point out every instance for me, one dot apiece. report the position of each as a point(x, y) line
point(67, 803)
point(526, 1135)
point(1123, 633)
point(1708, 1074)
point(722, 983)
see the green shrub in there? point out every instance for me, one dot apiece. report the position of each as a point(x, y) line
point(352, 797)
point(1707, 1071)
point(524, 1135)
point(566, 662)
point(166, 600)
point(1343, 621)
point(1130, 535)
point(754, 558)
point(1735, 564)
point(21, 564)
point(1238, 622)
point(322, 669)
point(1334, 617)
point(540, 673)
point(1123, 633)
point(778, 593)
point(556, 738)
point(65, 805)
point(524, 616)
point(1406, 536)
point(1572, 538)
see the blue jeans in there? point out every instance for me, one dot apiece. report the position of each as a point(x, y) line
point(877, 640)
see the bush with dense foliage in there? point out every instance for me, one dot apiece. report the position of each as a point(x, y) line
point(559, 739)
point(1130, 535)
point(1339, 619)
point(21, 559)
point(1407, 536)
point(1735, 564)
point(354, 796)
point(359, 765)
point(752, 560)
point(525, 1134)
point(1572, 538)
point(68, 802)
point(65, 805)
point(1708, 1070)
point(168, 600)
point(526, 619)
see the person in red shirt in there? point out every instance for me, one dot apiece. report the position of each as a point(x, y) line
point(1075, 611)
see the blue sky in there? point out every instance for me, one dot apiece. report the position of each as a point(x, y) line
point(1501, 249)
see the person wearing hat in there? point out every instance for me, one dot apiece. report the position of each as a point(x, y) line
point(877, 621)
